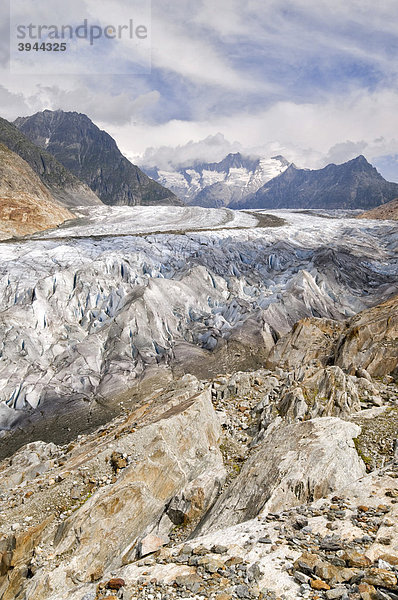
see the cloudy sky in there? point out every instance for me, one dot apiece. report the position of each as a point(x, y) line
point(316, 80)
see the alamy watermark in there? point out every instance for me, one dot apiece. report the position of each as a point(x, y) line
point(91, 43)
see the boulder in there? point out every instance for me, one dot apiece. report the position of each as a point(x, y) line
point(294, 464)
point(177, 448)
point(371, 341)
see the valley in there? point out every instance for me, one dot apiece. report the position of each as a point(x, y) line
point(195, 402)
point(88, 314)
point(199, 301)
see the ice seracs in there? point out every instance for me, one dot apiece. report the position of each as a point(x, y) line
point(85, 315)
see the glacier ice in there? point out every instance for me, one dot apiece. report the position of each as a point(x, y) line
point(87, 308)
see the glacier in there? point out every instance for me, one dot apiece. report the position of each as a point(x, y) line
point(88, 309)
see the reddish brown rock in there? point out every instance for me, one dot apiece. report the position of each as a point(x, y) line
point(307, 563)
point(115, 584)
point(368, 592)
point(26, 205)
point(390, 558)
point(356, 559)
point(387, 211)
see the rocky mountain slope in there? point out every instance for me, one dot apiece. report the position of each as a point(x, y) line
point(352, 185)
point(26, 205)
point(62, 185)
point(191, 493)
point(369, 340)
point(385, 211)
point(214, 185)
point(93, 156)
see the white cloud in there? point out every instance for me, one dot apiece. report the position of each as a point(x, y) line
point(344, 151)
point(211, 149)
point(308, 134)
point(178, 48)
point(229, 68)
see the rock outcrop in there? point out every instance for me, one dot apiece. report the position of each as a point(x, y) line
point(325, 392)
point(367, 341)
point(371, 341)
point(310, 340)
point(327, 549)
point(108, 515)
point(294, 464)
point(26, 205)
point(111, 496)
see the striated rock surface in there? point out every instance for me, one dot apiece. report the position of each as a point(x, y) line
point(322, 393)
point(294, 464)
point(102, 516)
point(108, 515)
point(367, 341)
point(371, 341)
point(26, 205)
point(310, 340)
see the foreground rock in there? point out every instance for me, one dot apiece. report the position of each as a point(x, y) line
point(293, 464)
point(109, 515)
point(105, 512)
point(322, 550)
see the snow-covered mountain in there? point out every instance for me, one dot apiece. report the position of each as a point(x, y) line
point(214, 185)
point(355, 184)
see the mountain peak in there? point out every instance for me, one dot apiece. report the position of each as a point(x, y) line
point(360, 160)
point(284, 162)
point(351, 185)
point(63, 185)
point(217, 184)
point(93, 156)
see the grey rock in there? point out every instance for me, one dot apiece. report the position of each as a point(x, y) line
point(320, 452)
point(242, 591)
point(62, 184)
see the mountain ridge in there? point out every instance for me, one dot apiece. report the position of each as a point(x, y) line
point(26, 205)
point(217, 184)
point(63, 185)
point(93, 156)
point(351, 185)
